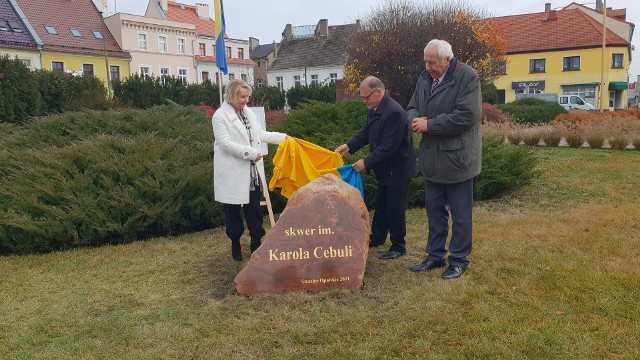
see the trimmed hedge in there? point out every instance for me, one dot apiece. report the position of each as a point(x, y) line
point(93, 178)
point(532, 110)
point(329, 125)
point(25, 94)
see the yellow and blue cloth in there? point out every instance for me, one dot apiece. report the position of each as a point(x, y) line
point(298, 162)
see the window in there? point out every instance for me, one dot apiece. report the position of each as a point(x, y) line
point(142, 42)
point(76, 32)
point(57, 66)
point(228, 52)
point(27, 63)
point(205, 76)
point(182, 74)
point(314, 79)
point(333, 77)
point(241, 53)
point(164, 74)
point(144, 71)
point(571, 63)
point(115, 72)
point(180, 46)
point(97, 34)
point(616, 61)
point(279, 83)
point(232, 76)
point(4, 26)
point(537, 65)
point(214, 49)
point(203, 49)
point(243, 77)
point(260, 83)
point(51, 30)
point(87, 70)
point(296, 80)
point(162, 44)
point(15, 26)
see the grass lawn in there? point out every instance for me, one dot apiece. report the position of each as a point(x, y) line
point(555, 274)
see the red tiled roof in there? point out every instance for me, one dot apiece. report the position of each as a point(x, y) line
point(64, 15)
point(572, 29)
point(229, 61)
point(188, 14)
point(618, 14)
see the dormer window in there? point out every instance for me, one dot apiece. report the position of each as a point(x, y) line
point(97, 34)
point(15, 26)
point(51, 30)
point(76, 32)
point(3, 25)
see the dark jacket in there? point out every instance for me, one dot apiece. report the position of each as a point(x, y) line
point(451, 150)
point(387, 131)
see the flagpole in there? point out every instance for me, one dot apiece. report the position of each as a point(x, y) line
point(221, 53)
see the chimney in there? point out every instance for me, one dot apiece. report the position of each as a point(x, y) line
point(599, 6)
point(553, 15)
point(275, 51)
point(202, 10)
point(322, 29)
point(547, 7)
point(287, 34)
point(253, 43)
point(164, 5)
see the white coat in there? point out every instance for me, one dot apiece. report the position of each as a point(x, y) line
point(232, 153)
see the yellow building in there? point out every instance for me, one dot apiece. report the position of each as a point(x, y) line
point(71, 37)
point(560, 51)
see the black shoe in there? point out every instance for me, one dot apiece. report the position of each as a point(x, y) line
point(391, 254)
point(236, 251)
point(428, 265)
point(453, 272)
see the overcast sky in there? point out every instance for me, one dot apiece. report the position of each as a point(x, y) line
point(265, 20)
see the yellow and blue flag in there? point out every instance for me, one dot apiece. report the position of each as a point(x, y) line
point(221, 50)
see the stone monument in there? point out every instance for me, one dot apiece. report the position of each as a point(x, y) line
point(320, 242)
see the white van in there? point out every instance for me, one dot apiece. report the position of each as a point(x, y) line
point(569, 102)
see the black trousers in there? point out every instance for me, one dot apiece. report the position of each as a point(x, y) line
point(459, 197)
point(252, 214)
point(389, 216)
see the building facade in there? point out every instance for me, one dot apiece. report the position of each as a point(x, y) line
point(157, 47)
point(310, 54)
point(560, 51)
point(73, 39)
point(239, 64)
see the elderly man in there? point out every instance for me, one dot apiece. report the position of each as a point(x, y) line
point(446, 108)
point(393, 160)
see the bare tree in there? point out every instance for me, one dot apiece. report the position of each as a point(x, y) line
point(391, 42)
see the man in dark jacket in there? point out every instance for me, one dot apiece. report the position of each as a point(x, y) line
point(392, 158)
point(446, 108)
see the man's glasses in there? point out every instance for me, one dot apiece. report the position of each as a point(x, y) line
point(367, 97)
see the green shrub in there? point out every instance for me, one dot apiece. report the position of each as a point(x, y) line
point(531, 110)
point(270, 97)
point(19, 95)
point(504, 167)
point(300, 94)
point(92, 178)
point(144, 92)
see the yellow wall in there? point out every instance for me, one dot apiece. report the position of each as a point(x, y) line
point(32, 55)
point(75, 61)
point(554, 76)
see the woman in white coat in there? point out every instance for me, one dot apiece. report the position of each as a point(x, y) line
point(236, 149)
